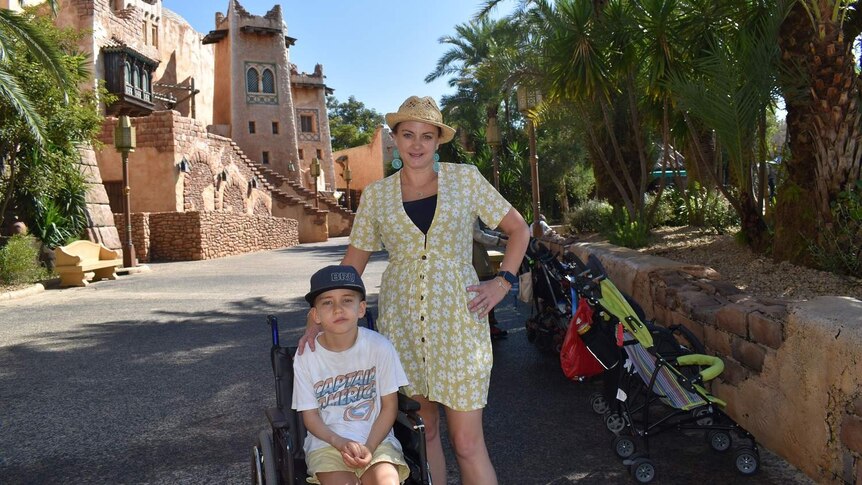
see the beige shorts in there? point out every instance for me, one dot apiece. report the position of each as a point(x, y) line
point(328, 459)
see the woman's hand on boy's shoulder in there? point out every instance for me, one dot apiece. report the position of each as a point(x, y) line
point(310, 335)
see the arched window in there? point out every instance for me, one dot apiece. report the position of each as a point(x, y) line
point(127, 78)
point(251, 79)
point(145, 81)
point(136, 77)
point(268, 81)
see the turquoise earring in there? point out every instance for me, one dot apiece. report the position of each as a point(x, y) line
point(436, 166)
point(396, 162)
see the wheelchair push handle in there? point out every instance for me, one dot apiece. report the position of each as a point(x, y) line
point(273, 325)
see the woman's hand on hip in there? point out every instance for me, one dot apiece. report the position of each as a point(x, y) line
point(488, 295)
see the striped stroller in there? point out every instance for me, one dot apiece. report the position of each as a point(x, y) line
point(661, 388)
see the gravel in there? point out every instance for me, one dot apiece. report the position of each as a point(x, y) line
point(753, 273)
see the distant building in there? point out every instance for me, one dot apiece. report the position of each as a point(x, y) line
point(224, 121)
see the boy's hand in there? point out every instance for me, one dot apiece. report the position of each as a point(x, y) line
point(355, 454)
point(311, 331)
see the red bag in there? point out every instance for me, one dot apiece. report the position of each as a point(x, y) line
point(575, 359)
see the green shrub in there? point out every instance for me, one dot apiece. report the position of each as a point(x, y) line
point(590, 216)
point(839, 249)
point(628, 233)
point(19, 261)
point(668, 211)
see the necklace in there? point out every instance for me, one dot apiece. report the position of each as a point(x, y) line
point(420, 190)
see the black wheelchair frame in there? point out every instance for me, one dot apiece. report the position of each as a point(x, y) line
point(278, 457)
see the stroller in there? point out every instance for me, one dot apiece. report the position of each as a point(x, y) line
point(662, 386)
point(551, 300)
point(278, 458)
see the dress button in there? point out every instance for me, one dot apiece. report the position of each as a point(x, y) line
point(422, 277)
point(421, 297)
point(423, 340)
point(422, 318)
point(424, 257)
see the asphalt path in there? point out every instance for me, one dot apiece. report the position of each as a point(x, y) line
point(163, 377)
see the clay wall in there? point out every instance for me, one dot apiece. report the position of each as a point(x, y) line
point(793, 369)
point(185, 58)
point(191, 236)
point(309, 100)
point(366, 162)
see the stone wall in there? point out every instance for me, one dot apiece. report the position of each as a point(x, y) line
point(192, 236)
point(793, 369)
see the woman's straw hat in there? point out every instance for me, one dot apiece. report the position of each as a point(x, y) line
point(424, 110)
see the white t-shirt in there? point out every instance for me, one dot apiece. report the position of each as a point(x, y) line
point(347, 386)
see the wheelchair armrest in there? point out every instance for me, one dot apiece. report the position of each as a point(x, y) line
point(277, 418)
point(406, 404)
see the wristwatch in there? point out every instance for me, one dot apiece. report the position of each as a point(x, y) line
point(509, 277)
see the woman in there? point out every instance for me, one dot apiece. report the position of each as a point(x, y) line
point(431, 304)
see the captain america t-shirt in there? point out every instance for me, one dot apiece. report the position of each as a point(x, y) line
point(346, 387)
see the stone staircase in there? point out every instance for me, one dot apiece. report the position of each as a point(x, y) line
point(330, 219)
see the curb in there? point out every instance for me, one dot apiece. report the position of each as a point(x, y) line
point(15, 294)
point(54, 283)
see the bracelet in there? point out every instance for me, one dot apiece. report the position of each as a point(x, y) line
point(500, 281)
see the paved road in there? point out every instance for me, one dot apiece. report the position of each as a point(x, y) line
point(162, 377)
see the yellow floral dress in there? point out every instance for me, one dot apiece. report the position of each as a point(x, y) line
point(445, 350)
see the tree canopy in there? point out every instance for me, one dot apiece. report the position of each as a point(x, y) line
point(351, 124)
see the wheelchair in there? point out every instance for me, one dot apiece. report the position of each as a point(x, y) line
point(278, 457)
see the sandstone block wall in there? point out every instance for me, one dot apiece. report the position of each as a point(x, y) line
point(191, 236)
point(793, 369)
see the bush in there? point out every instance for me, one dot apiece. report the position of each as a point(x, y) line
point(590, 216)
point(628, 233)
point(668, 212)
point(19, 261)
point(839, 249)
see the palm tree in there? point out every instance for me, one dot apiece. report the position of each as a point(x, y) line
point(820, 88)
point(18, 36)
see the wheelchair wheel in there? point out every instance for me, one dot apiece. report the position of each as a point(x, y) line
point(264, 470)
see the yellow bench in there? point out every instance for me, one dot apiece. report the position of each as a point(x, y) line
point(83, 260)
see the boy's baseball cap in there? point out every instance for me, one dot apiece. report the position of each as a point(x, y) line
point(333, 278)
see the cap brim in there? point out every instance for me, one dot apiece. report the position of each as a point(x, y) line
point(447, 132)
point(311, 295)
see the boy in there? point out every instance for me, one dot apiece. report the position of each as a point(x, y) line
point(346, 390)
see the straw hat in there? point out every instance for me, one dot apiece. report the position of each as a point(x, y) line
point(424, 110)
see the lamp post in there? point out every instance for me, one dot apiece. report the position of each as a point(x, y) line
point(315, 172)
point(124, 141)
point(492, 136)
point(348, 176)
point(528, 99)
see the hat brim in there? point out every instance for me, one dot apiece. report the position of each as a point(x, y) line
point(312, 295)
point(447, 132)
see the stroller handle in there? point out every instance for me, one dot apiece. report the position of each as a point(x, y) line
point(273, 324)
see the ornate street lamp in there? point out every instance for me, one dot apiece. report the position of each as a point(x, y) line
point(347, 178)
point(492, 136)
point(124, 141)
point(528, 99)
point(315, 172)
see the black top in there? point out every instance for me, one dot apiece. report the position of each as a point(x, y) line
point(421, 212)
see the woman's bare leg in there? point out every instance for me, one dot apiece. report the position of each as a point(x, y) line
point(468, 439)
point(430, 412)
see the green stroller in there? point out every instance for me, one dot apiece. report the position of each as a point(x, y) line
point(661, 391)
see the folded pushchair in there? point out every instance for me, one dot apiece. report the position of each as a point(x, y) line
point(551, 301)
point(662, 387)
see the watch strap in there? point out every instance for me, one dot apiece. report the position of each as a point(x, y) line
point(509, 277)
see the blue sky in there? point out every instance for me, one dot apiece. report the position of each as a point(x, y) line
point(377, 51)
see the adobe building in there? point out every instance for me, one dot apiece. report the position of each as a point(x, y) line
point(225, 123)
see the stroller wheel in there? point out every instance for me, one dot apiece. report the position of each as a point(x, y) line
point(615, 422)
point(624, 446)
point(719, 440)
point(643, 470)
point(599, 403)
point(747, 460)
point(703, 415)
